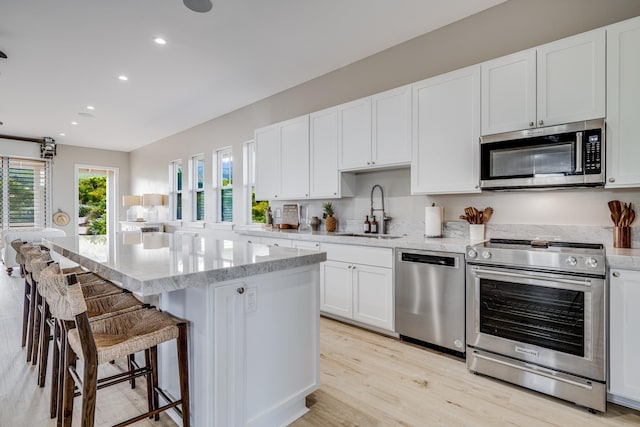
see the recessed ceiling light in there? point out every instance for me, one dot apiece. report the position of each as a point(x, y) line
point(123, 77)
point(85, 114)
point(90, 107)
point(62, 134)
point(74, 123)
point(160, 40)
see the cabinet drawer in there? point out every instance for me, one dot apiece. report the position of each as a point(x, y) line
point(379, 257)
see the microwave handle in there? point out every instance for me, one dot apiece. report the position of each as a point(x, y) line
point(578, 152)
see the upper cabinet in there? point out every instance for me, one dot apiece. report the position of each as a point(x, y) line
point(325, 179)
point(556, 83)
point(509, 93)
point(375, 131)
point(282, 160)
point(623, 104)
point(446, 131)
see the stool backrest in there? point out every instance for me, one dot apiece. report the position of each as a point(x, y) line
point(62, 292)
point(16, 244)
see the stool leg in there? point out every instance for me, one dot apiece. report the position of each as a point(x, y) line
point(37, 324)
point(45, 337)
point(130, 364)
point(150, 384)
point(89, 389)
point(153, 352)
point(55, 362)
point(183, 371)
point(25, 312)
point(66, 414)
point(32, 310)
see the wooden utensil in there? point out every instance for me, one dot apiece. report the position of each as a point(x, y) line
point(487, 214)
point(615, 207)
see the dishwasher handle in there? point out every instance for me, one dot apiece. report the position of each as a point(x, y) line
point(443, 261)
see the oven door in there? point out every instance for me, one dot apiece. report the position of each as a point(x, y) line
point(552, 320)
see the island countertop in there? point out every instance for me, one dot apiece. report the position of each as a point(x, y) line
point(153, 263)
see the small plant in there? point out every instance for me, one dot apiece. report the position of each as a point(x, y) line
point(328, 209)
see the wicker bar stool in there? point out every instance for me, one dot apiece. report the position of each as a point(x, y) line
point(99, 306)
point(31, 253)
point(110, 338)
point(16, 244)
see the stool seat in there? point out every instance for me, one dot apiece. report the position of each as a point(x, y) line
point(111, 305)
point(128, 333)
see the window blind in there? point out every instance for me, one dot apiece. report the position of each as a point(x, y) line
point(24, 190)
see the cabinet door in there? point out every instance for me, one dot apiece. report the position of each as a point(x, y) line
point(624, 340)
point(267, 162)
point(571, 79)
point(336, 295)
point(391, 137)
point(623, 104)
point(324, 179)
point(229, 354)
point(446, 131)
point(509, 93)
point(373, 296)
point(294, 158)
point(354, 134)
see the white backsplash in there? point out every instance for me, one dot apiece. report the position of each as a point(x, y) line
point(579, 215)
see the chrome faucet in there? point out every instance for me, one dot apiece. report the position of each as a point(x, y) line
point(385, 218)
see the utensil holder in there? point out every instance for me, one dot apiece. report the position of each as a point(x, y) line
point(476, 232)
point(621, 237)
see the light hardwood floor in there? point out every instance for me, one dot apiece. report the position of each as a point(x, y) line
point(367, 380)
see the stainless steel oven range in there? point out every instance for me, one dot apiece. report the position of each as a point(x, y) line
point(536, 313)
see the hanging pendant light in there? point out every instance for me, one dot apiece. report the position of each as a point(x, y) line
point(201, 6)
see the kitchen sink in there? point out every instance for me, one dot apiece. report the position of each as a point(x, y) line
point(370, 236)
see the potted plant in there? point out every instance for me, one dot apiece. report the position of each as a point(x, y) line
point(331, 223)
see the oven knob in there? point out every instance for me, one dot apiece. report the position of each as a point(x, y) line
point(486, 254)
point(472, 253)
point(571, 261)
point(591, 262)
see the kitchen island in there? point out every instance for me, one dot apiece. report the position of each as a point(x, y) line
point(253, 311)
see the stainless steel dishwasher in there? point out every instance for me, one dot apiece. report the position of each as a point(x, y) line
point(430, 297)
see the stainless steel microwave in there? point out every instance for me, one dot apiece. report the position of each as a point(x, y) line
point(570, 155)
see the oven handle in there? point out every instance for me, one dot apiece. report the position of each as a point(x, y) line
point(533, 371)
point(585, 282)
point(578, 152)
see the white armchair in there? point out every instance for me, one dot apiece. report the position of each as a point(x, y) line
point(27, 235)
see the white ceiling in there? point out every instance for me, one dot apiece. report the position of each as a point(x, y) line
point(66, 54)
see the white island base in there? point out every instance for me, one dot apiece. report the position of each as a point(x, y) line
point(254, 348)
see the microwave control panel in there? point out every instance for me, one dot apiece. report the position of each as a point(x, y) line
point(593, 152)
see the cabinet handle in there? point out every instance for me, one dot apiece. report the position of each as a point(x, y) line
point(350, 267)
point(531, 124)
point(615, 274)
point(240, 290)
point(353, 266)
point(335, 194)
point(541, 122)
point(306, 195)
point(373, 163)
point(368, 163)
point(275, 195)
point(612, 180)
point(275, 244)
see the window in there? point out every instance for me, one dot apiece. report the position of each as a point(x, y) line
point(198, 187)
point(25, 192)
point(224, 184)
point(175, 189)
point(257, 209)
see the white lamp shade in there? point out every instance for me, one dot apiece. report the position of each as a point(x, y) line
point(131, 200)
point(152, 199)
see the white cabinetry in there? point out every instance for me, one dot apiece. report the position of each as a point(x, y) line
point(624, 340)
point(375, 131)
point(509, 93)
point(446, 131)
point(354, 134)
point(623, 104)
point(391, 132)
point(569, 85)
point(356, 283)
point(282, 160)
point(325, 180)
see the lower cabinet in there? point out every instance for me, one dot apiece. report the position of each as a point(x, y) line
point(624, 339)
point(357, 291)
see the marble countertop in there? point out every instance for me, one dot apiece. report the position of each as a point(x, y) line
point(153, 263)
point(445, 244)
point(618, 258)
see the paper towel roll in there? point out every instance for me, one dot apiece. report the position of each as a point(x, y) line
point(433, 221)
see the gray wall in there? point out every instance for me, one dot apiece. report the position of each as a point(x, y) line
point(506, 28)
